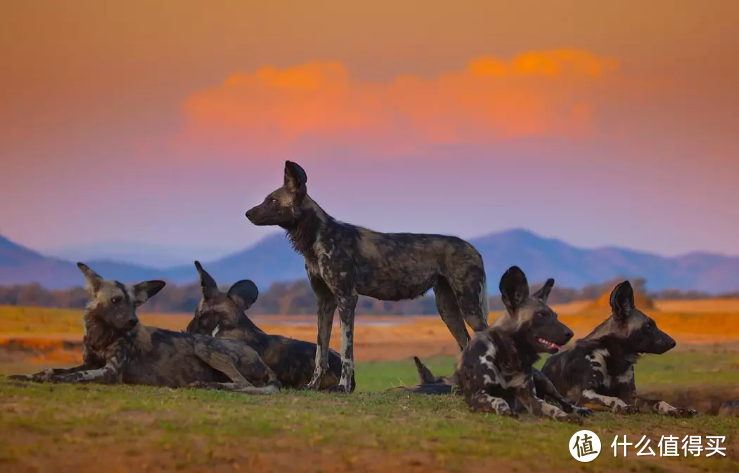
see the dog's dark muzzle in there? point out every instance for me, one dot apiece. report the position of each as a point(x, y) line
point(555, 338)
point(664, 343)
point(250, 214)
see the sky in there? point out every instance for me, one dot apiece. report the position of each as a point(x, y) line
point(599, 123)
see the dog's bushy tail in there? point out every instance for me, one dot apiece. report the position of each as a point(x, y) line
point(424, 374)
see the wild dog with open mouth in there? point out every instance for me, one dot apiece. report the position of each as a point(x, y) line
point(223, 315)
point(343, 261)
point(431, 384)
point(119, 349)
point(599, 369)
point(495, 372)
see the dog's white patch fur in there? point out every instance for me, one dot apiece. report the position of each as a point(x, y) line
point(599, 356)
point(608, 401)
point(491, 353)
point(627, 377)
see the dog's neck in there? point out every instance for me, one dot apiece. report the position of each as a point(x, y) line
point(98, 335)
point(618, 356)
point(303, 234)
point(250, 329)
point(519, 355)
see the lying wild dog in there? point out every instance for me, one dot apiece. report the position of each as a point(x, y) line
point(495, 372)
point(344, 261)
point(430, 384)
point(599, 369)
point(118, 349)
point(223, 315)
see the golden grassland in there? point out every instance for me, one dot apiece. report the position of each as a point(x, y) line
point(44, 331)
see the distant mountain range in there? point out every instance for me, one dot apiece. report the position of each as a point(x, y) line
point(139, 254)
point(272, 259)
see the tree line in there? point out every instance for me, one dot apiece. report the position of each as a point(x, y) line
point(296, 297)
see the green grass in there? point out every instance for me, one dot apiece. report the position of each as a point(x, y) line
point(48, 428)
point(669, 369)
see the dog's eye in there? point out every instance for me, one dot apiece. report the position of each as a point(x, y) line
point(272, 201)
point(116, 299)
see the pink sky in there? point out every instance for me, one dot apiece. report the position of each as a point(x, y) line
point(600, 123)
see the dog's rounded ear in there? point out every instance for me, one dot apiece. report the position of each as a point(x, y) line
point(144, 291)
point(514, 289)
point(543, 293)
point(295, 179)
point(93, 281)
point(208, 285)
point(244, 293)
point(622, 301)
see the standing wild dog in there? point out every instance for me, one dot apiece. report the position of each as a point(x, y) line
point(599, 369)
point(118, 349)
point(344, 261)
point(223, 315)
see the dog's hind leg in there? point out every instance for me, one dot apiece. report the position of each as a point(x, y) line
point(545, 390)
point(224, 363)
point(471, 294)
point(448, 307)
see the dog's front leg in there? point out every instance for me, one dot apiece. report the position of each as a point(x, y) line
point(626, 390)
point(326, 308)
point(47, 374)
point(545, 389)
point(661, 407)
point(347, 306)
point(110, 373)
point(484, 402)
point(617, 406)
point(526, 395)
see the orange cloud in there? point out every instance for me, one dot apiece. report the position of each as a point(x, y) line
point(536, 94)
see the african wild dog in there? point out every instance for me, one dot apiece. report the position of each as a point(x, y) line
point(430, 384)
point(495, 371)
point(599, 369)
point(118, 349)
point(344, 261)
point(525, 328)
point(223, 315)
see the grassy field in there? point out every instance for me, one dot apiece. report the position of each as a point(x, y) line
point(75, 428)
point(125, 428)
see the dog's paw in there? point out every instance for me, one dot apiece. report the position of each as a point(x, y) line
point(583, 411)
point(682, 412)
point(509, 413)
point(337, 388)
point(198, 385)
point(570, 418)
point(625, 409)
point(20, 377)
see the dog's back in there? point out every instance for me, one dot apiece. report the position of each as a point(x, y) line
point(162, 357)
